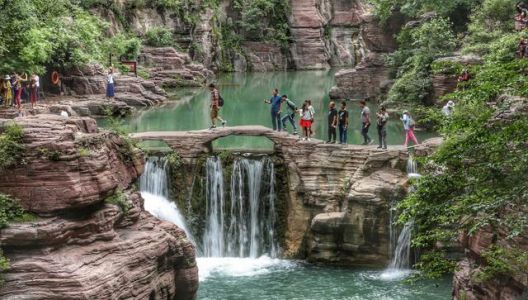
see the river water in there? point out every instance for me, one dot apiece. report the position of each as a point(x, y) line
point(244, 95)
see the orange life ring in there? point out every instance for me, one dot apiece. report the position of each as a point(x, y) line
point(55, 78)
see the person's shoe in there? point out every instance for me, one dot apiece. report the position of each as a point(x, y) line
point(328, 142)
point(379, 147)
point(385, 148)
point(371, 142)
point(212, 127)
point(364, 144)
point(295, 132)
point(224, 122)
point(333, 142)
point(309, 139)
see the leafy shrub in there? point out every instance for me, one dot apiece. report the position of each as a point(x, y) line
point(419, 47)
point(10, 210)
point(119, 199)
point(159, 37)
point(11, 148)
point(174, 159)
point(502, 261)
point(123, 46)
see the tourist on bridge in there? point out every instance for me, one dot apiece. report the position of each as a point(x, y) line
point(365, 122)
point(306, 120)
point(216, 103)
point(383, 118)
point(312, 110)
point(342, 123)
point(408, 125)
point(6, 91)
point(332, 124)
point(276, 109)
point(110, 93)
point(291, 108)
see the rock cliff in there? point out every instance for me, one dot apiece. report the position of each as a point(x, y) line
point(322, 34)
point(91, 238)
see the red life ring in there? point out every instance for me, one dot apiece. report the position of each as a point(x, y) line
point(55, 78)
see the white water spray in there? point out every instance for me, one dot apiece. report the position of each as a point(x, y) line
point(154, 190)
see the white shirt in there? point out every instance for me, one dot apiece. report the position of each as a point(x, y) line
point(110, 78)
point(37, 80)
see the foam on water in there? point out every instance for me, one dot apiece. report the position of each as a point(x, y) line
point(240, 267)
point(165, 210)
point(395, 274)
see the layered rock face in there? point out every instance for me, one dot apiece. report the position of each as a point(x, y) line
point(91, 80)
point(170, 68)
point(369, 77)
point(83, 245)
point(324, 34)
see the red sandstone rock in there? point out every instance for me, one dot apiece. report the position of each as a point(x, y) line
point(74, 181)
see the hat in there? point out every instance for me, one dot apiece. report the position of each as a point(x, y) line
point(450, 104)
point(7, 77)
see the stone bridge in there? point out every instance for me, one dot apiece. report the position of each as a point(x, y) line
point(320, 177)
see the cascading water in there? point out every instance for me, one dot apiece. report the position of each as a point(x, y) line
point(154, 189)
point(402, 252)
point(245, 225)
point(412, 168)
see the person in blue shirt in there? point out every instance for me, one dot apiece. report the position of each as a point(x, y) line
point(276, 109)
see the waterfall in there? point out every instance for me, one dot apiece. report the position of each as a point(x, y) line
point(412, 169)
point(244, 226)
point(400, 259)
point(154, 190)
point(214, 237)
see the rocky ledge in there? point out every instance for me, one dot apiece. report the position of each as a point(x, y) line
point(91, 238)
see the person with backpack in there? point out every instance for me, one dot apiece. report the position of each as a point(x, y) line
point(290, 115)
point(216, 103)
point(383, 118)
point(276, 109)
point(342, 123)
point(408, 125)
point(332, 124)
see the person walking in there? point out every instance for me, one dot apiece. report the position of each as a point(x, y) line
point(365, 122)
point(276, 109)
point(110, 91)
point(291, 109)
point(383, 118)
point(7, 91)
point(216, 104)
point(332, 124)
point(408, 125)
point(312, 110)
point(306, 121)
point(13, 87)
point(342, 123)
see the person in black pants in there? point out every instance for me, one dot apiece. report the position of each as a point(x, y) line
point(365, 122)
point(332, 124)
point(382, 117)
point(343, 123)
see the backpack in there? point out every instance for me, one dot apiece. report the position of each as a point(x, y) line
point(220, 101)
point(291, 105)
point(411, 122)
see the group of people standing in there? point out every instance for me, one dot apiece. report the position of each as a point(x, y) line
point(15, 87)
point(338, 119)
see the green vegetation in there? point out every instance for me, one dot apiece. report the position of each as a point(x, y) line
point(127, 147)
point(159, 37)
point(502, 262)
point(477, 178)
point(84, 152)
point(10, 210)
point(174, 160)
point(119, 199)
point(53, 155)
point(11, 148)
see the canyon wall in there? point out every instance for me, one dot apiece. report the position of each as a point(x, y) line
point(89, 236)
point(322, 34)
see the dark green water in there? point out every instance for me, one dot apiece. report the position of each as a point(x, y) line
point(268, 279)
point(244, 95)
